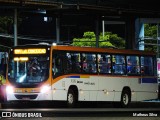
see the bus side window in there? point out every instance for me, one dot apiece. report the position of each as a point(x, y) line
point(147, 66)
point(118, 64)
point(84, 64)
point(104, 63)
point(72, 63)
point(57, 65)
point(133, 65)
point(54, 69)
point(76, 66)
point(89, 63)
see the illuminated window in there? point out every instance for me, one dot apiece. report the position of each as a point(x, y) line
point(104, 63)
point(133, 65)
point(118, 64)
point(21, 59)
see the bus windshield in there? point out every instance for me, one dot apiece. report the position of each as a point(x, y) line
point(28, 71)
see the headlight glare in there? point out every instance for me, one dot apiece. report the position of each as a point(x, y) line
point(45, 88)
point(9, 89)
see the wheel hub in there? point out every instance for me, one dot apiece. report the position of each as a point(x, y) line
point(70, 98)
point(125, 99)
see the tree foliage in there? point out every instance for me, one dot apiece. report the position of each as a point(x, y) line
point(150, 32)
point(108, 40)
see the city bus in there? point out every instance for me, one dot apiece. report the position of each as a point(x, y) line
point(44, 72)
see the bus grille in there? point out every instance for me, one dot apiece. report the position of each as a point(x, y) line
point(26, 97)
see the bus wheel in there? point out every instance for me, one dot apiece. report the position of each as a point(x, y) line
point(125, 98)
point(71, 98)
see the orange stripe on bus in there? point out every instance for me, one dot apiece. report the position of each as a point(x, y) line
point(89, 75)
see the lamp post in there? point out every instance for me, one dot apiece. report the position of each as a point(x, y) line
point(15, 27)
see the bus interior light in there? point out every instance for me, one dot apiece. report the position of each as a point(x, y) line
point(21, 59)
point(54, 44)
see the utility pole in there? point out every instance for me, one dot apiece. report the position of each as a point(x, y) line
point(97, 31)
point(58, 29)
point(15, 27)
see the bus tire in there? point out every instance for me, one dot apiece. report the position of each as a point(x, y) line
point(125, 98)
point(71, 98)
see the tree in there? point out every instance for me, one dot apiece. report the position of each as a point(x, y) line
point(108, 40)
point(150, 32)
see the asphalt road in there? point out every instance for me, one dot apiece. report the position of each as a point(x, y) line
point(85, 111)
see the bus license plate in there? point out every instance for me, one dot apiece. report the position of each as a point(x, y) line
point(25, 98)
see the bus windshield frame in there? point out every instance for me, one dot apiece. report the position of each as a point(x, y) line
point(28, 67)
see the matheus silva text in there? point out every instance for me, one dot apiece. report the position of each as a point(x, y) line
point(145, 115)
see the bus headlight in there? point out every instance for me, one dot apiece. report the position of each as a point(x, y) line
point(9, 89)
point(45, 88)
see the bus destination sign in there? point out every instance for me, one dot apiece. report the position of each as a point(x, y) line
point(30, 51)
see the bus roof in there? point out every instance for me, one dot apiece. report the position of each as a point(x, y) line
point(89, 49)
point(103, 50)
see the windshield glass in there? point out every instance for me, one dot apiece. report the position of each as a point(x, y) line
point(28, 71)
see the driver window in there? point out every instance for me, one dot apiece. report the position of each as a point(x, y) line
point(56, 65)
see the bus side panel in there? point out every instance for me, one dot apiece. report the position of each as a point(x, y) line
point(59, 90)
point(133, 83)
point(87, 88)
point(143, 91)
point(102, 88)
point(91, 85)
point(110, 88)
point(119, 84)
point(59, 95)
point(61, 87)
point(147, 91)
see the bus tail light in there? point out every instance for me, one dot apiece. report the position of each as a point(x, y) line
point(9, 89)
point(44, 88)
